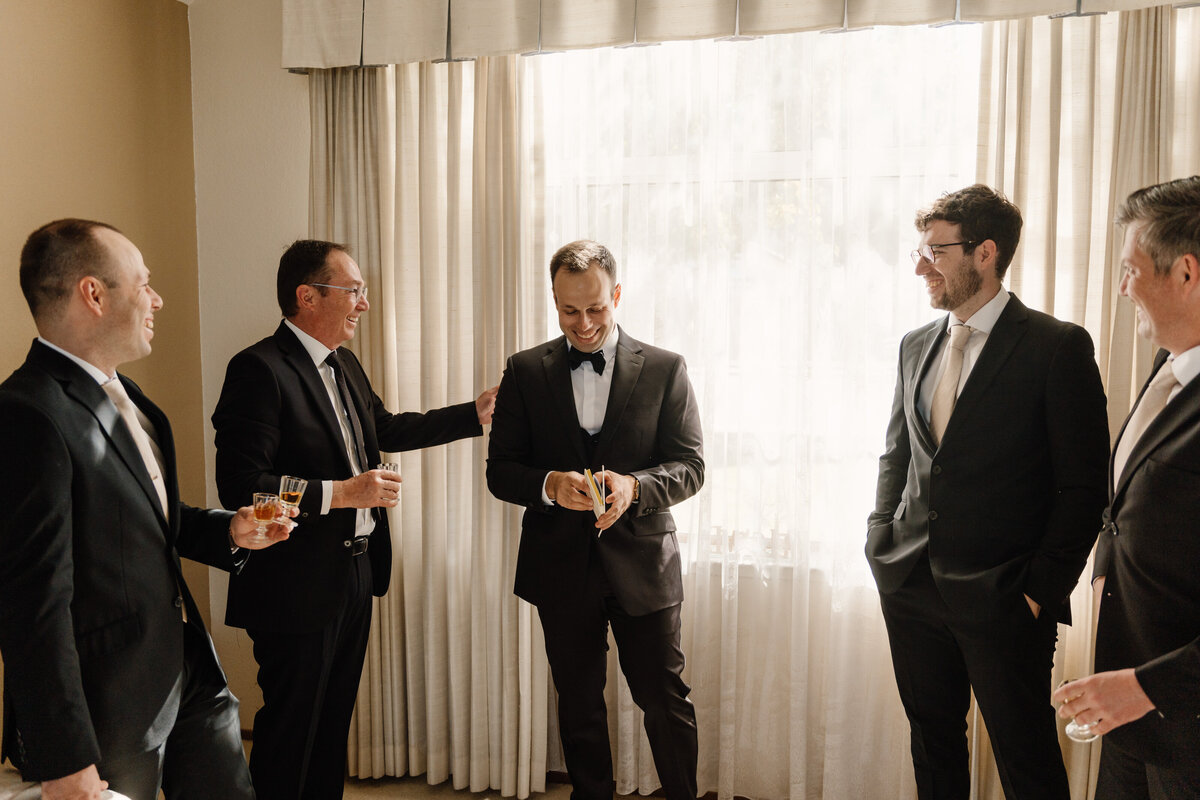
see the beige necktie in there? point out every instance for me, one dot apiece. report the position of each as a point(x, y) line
point(946, 393)
point(116, 392)
point(1153, 400)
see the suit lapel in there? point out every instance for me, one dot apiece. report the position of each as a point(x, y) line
point(933, 338)
point(302, 364)
point(558, 379)
point(1181, 409)
point(1009, 329)
point(83, 389)
point(626, 371)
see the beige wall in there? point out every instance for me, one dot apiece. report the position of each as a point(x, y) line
point(251, 144)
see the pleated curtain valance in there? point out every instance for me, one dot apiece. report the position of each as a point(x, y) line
point(343, 33)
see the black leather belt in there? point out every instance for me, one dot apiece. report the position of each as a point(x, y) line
point(357, 546)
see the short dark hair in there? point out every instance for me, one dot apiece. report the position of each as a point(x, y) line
point(1171, 213)
point(303, 262)
point(578, 256)
point(58, 255)
point(981, 213)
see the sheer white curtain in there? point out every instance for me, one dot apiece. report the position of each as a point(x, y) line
point(421, 169)
point(759, 197)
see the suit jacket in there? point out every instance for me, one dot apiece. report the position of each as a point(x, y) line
point(1149, 552)
point(1010, 502)
point(651, 430)
point(274, 418)
point(90, 581)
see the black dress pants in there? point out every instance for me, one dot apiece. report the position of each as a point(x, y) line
point(652, 661)
point(1005, 654)
point(309, 683)
point(202, 757)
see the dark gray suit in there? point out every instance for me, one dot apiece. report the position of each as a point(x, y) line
point(629, 576)
point(98, 664)
point(1008, 505)
point(1149, 553)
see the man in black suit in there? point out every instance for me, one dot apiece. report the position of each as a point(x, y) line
point(988, 501)
point(298, 403)
point(110, 677)
point(630, 415)
point(1145, 695)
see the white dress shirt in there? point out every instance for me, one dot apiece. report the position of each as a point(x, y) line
point(591, 393)
point(319, 352)
point(1187, 367)
point(981, 323)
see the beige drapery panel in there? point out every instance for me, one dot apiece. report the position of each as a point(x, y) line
point(339, 33)
point(419, 169)
point(1068, 134)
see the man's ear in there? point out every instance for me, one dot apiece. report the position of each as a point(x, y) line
point(94, 294)
point(616, 295)
point(988, 253)
point(305, 296)
point(1186, 270)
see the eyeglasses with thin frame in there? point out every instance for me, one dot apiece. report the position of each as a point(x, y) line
point(355, 291)
point(926, 252)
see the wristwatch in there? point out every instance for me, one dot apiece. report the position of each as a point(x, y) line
point(637, 490)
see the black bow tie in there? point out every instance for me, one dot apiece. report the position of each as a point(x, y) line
point(577, 357)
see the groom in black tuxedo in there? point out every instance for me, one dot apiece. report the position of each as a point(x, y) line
point(988, 501)
point(109, 674)
point(591, 398)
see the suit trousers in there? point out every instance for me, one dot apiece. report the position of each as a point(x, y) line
point(309, 683)
point(652, 661)
point(1126, 777)
point(202, 757)
point(1004, 654)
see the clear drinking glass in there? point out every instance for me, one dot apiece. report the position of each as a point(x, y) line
point(266, 508)
point(291, 490)
point(1076, 731)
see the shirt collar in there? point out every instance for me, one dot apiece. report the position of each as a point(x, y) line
point(1187, 365)
point(316, 351)
point(91, 369)
point(985, 318)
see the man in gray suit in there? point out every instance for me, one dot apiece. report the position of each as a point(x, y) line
point(1145, 695)
point(988, 501)
point(596, 397)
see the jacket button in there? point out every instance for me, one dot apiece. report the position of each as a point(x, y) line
point(178, 602)
point(932, 515)
point(937, 470)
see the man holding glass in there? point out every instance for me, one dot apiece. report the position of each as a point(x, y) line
point(298, 403)
point(1145, 695)
point(988, 501)
point(597, 402)
point(110, 677)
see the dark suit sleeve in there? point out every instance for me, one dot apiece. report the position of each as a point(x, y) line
point(1077, 437)
point(893, 464)
point(510, 447)
point(1170, 682)
point(412, 430)
point(204, 537)
point(42, 676)
point(678, 472)
point(247, 423)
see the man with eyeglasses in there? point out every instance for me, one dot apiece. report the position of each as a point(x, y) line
point(298, 403)
point(988, 501)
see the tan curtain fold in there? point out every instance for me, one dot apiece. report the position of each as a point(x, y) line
point(493, 27)
point(671, 20)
